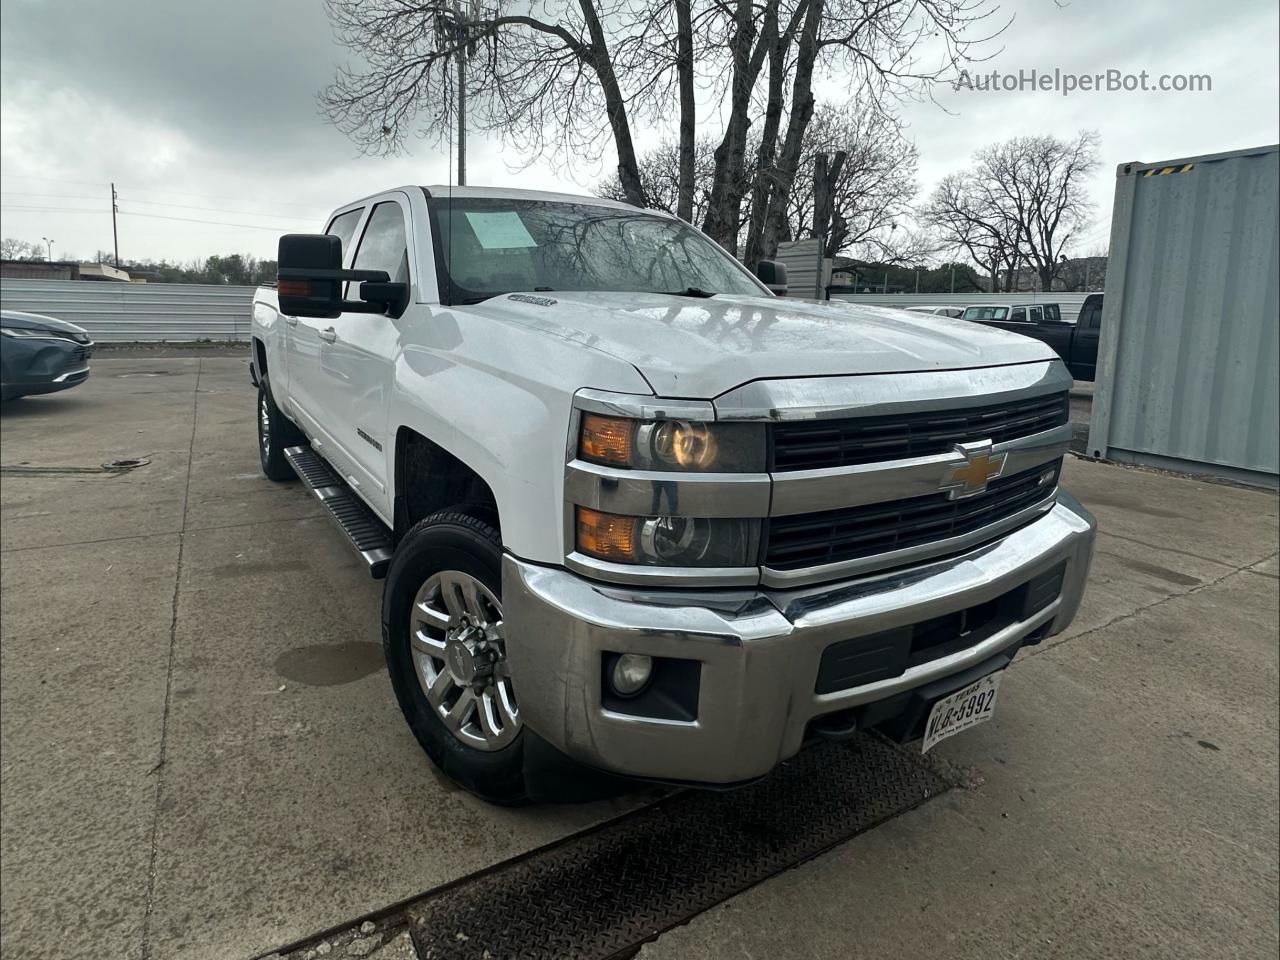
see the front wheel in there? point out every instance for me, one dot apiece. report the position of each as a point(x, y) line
point(443, 636)
point(275, 433)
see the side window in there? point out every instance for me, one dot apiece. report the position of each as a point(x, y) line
point(344, 228)
point(1037, 315)
point(1052, 312)
point(1018, 315)
point(383, 245)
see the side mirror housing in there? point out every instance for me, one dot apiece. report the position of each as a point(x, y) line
point(309, 279)
point(307, 265)
point(773, 274)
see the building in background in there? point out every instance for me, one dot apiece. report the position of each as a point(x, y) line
point(60, 270)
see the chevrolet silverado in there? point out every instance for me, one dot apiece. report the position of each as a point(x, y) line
point(637, 513)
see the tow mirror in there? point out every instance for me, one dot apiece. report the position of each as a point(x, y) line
point(309, 279)
point(773, 274)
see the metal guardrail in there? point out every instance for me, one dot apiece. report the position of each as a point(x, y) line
point(1069, 303)
point(126, 312)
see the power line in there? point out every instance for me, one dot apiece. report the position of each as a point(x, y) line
point(151, 216)
point(162, 203)
point(28, 209)
point(218, 223)
point(83, 183)
point(126, 187)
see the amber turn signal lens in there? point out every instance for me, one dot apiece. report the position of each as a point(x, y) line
point(606, 535)
point(293, 288)
point(606, 439)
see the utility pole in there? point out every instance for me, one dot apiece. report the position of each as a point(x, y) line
point(462, 94)
point(115, 237)
point(50, 243)
point(953, 278)
point(917, 278)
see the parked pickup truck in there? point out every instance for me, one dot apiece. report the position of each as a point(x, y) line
point(1076, 343)
point(635, 511)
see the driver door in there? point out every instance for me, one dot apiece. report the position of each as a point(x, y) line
point(357, 356)
point(305, 389)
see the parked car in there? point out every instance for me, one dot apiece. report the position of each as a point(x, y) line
point(1076, 343)
point(941, 311)
point(41, 354)
point(635, 511)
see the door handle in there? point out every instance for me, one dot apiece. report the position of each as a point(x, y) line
point(291, 321)
point(329, 335)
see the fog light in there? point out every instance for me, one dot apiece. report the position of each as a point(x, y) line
point(631, 673)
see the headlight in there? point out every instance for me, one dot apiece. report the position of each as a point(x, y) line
point(668, 541)
point(26, 332)
point(685, 445)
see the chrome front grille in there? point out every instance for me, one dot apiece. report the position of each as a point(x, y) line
point(854, 533)
point(823, 444)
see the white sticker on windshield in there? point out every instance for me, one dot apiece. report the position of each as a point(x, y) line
point(500, 231)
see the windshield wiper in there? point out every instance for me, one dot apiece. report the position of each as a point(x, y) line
point(690, 292)
point(468, 301)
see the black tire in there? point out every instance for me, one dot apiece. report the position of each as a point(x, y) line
point(447, 540)
point(275, 433)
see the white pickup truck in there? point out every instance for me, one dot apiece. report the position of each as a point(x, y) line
point(635, 511)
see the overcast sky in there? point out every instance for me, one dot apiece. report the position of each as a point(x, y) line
point(206, 111)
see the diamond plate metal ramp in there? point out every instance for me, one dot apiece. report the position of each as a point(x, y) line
point(602, 893)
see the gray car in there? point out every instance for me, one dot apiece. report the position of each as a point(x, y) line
point(41, 354)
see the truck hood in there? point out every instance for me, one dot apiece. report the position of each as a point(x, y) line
point(700, 348)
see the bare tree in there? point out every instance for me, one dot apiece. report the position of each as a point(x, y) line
point(536, 74)
point(870, 195)
point(875, 186)
point(1040, 185)
point(14, 249)
point(661, 176)
point(880, 48)
point(965, 218)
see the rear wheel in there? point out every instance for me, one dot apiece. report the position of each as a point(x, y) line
point(446, 653)
point(275, 433)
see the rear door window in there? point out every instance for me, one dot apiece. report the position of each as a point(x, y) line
point(1037, 314)
point(1052, 312)
point(1019, 315)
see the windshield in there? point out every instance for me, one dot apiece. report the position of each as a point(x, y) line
point(485, 247)
point(986, 313)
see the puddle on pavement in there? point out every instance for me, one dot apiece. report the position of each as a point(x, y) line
point(330, 664)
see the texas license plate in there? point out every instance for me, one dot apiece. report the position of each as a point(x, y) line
point(961, 710)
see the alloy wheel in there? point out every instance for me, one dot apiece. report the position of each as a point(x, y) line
point(264, 425)
point(459, 656)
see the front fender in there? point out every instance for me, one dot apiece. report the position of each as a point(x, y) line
point(498, 396)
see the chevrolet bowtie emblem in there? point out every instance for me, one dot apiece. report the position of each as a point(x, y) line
point(978, 468)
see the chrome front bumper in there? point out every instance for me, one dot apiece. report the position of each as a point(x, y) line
point(758, 650)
